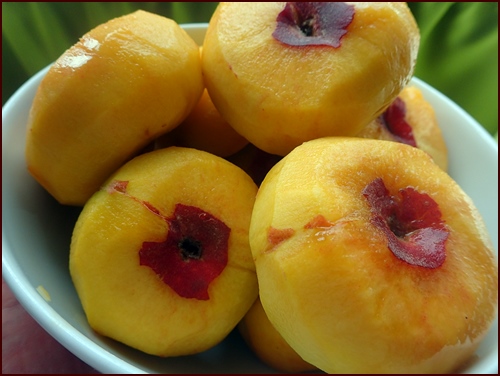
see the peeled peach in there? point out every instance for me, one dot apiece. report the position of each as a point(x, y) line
point(266, 342)
point(284, 73)
point(121, 86)
point(371, 259)
point(410, 119)
point(205, 129)
point(160, 256)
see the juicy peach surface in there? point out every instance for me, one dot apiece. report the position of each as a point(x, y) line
point(123, 84)
point(266, 342)
point(278, 96)
point(420, 116)
point(332, 287)
point(205, 129)
point(122, 294)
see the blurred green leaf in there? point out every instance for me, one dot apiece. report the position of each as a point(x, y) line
point(99, 12)
point(459, 55)
point(181, 12)
point(33, 34)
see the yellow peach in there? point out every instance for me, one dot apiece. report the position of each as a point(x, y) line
point(410, 119)
point(284, 73)
point(160, 256)
point(122, 85)
point(205, 129)
point(371, 259)
point(266, 342)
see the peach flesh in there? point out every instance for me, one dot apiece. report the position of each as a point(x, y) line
point(278, 95)
point(336, 292)
point(136, 209)
point(122, 85)
point(204, 129)
point(267, 344)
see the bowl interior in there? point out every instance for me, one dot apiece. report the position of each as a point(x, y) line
point(36, 234)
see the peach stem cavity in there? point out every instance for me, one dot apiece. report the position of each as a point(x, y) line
point(395, 122)
point(412, 223)
point(195, 250)
point(313, 23)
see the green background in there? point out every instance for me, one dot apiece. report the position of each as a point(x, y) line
point(458, 52)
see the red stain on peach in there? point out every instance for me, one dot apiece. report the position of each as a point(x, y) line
point(194, 253)
point(318, 222)
point(411, 222)
point(394, 119)
point(313, 24)
point(118, 186)
point(276, 236)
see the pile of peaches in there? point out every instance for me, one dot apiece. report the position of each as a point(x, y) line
point(283, 178)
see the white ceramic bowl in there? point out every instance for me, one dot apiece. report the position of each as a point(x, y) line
point(36, 234)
